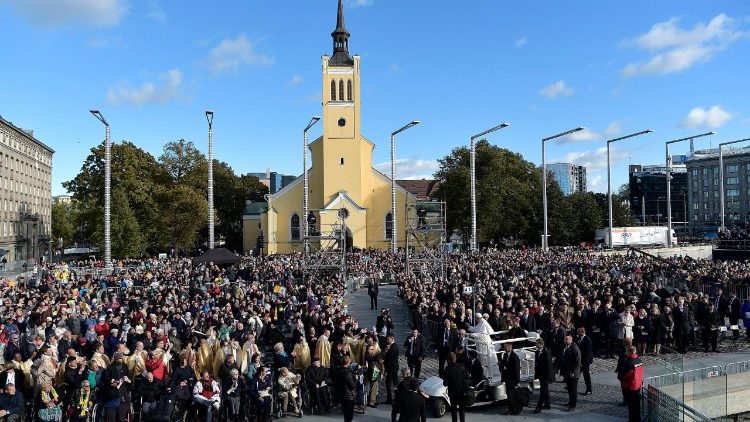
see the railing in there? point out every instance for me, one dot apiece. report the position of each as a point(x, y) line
point(739, 245)
point(352, 285)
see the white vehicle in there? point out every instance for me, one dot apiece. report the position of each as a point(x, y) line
point(635, 236)
point(491, 388)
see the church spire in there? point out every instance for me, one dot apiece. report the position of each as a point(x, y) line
point(340, 41)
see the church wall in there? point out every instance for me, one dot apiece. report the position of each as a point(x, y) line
point(379, 204)
point(250, 232)
point(285, 204)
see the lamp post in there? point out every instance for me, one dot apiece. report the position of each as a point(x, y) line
point(721, 176)
point(545, 238)
point(609, 175)
point(210, 119)
point(473, 152)
point(394, 232)
point(669, 181)
point(107, 188)
point(305, 195)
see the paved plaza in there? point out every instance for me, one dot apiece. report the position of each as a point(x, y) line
point(600, 406)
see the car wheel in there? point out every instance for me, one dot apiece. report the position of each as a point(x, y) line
point(439, 406)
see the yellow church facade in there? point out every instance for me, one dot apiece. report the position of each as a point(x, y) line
point(341, 174)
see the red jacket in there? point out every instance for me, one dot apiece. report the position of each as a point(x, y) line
point(156, 367)
point(632, 377)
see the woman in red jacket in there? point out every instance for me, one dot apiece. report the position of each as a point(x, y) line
point(631, 379)
point(155, 365)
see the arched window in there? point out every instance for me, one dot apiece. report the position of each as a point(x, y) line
point(349, 90)
point(389, 226)
point(341, 90)
point(333, 90)
point(294, 223)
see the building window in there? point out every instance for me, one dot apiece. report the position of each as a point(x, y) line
point(342, 161)
point(695, 172)
point(705, 194)
point(705, 205)
point(705, 171)
point(333, 90)
point(294, 225)
point(349, 90)
point(733, 192)
point(705, 182)
point(695, 217)
point(695, 205)
point(389, 226)
point(733, 180)
point(732, 168)
point(716, 169)
point(341, 90)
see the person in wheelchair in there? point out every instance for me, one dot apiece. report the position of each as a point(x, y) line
point(83, 403)
point(151, 391)
point(316, 379)
point(235, 388)
point(288, 390)
point(11, 404)
point(116, 400)
point(207, 393)
point(50, 411)
point(260, 395)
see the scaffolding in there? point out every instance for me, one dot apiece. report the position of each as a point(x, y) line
point(426, 237)
point(326, 245)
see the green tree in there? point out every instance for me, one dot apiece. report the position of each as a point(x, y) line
point(181, 160)
point(587, 215)
point(184, 214)
point(127, 236)
point(62, 223)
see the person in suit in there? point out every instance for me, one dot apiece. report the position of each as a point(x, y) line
point(711, 322)
point(383, 327)
point(733, 313)
point(414, 351)
point(586, 346)
point(511, 371)
point(390, 366)
point(544, 372)
point(570, 369)
point(681, 315)
point(720, 302)
point(373, 290)
point(12, 375)
point(455, 378)
point(411, 405)
point(461, 340)
point(443, 343)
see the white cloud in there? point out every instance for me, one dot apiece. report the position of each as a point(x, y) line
point(360, 3)
point(521, 42)
point(594, 159)
point(394, 68)
point(675, 49)
point(55, 13)
point(556, 89)
point(410, 168)
point(230, 54)
point(296, 80)
point(595, 182)
point(156, 12)
point(713, 117)
point(149, 92)
point(613, 128)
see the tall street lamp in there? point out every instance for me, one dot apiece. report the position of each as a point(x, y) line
point(473, 244)
point(305, 195)
point(210, 119)
point(394, 232)
point(669, 181)
point(545, 238)
point(721, 176)
point(609, 175)
point(107, 189)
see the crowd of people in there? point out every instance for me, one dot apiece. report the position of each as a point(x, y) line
point(170, 337)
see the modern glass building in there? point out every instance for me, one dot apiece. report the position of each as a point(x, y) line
point(570, 177)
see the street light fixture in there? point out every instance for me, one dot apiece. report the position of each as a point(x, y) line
point(609, 175)
point(210, 119)
point(721, 176)
point(394, 232)
point(473, 152)
point(305, 195)
point(669, 181)
point(545, 237)
point(107, 189)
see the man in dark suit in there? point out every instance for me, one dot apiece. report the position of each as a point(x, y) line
point(455, 377)
point(720, 302)
point(733, 313)
point(373, 290)
point(544, 372)
point(390, 365)
point(443, 343)
point(414, 351)
point(586, 346)
point(411, 405)
point(570, 369)
point(12, 375)
point(681, 315)
point(511, 372)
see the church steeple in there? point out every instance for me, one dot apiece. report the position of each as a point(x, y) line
point(340, 37)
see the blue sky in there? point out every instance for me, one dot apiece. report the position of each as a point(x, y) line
point(153, 66)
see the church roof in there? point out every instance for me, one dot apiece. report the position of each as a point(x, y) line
point(340, 37)
point(422, 189)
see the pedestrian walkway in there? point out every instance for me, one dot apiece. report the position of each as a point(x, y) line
point(598, 407)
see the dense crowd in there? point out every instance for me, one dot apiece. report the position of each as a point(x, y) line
point(173, 339)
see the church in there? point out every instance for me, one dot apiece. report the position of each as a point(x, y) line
point(341, 175)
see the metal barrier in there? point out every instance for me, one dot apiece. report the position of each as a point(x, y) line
point(659, 406)
point(737, 368)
